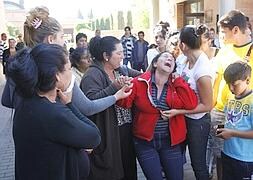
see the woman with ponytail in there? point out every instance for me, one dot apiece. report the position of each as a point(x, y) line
point(197, 71)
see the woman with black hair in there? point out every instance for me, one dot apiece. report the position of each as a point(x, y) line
point(197, 71)
point(159, 139)
point(49, 134)
point(114, 158)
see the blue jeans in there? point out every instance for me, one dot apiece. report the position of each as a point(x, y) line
point(197, 136)
point(234, 169)
point(157, 155)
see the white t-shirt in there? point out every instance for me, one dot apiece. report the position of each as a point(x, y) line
point(151, 53)
point(201, 68)
point(180, 62)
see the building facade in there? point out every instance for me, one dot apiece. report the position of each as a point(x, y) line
point(177, 12)
point(182, 12)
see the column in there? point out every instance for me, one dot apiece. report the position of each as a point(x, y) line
point(225, 6)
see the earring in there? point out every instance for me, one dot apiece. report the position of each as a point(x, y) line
point(106, 59)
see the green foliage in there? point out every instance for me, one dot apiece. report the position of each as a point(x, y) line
point(145, 19)
point(93, 26)
point(13, 31)
point(102, 24)
point(129, 19)
point(121, 21)
point(82, 26)
point(97, 24)
point(107, 24)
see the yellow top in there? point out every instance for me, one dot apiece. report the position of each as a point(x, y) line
point(226, 56)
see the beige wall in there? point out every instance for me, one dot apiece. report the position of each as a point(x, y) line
point(154, 15)
point(212, 7)
point(16, 19)
point(2, 17)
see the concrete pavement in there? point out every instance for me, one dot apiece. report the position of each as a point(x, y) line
point(6, 140)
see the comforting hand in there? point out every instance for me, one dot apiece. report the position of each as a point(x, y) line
point(64, 97)
point(224, 133)
point(122, 80)
point(170, 113)
point(124, 92)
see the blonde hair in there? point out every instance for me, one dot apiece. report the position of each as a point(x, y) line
point(48, 26)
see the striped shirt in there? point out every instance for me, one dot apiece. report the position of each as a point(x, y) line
point(128, 45)
point(3, 46)
point(161, 125)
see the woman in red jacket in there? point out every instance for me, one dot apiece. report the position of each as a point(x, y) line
point(158, 139)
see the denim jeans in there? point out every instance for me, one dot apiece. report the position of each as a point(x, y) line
point(197, 136)
point(157, 155)
point(234, 169)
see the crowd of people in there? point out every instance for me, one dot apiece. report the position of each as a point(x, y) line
point(84, 113)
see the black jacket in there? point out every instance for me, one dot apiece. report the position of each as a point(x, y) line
point(48, 138)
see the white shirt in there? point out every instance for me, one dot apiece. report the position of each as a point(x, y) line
point(201, 68)
point(151, 53)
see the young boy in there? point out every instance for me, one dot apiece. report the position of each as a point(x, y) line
point(237, 155)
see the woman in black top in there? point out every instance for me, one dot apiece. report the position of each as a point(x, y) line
point(49, 133)
point(114, 158)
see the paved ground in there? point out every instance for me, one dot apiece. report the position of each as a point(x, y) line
point(6, 141)
point(7, 146)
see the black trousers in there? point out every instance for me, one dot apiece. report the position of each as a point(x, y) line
point(127, 152)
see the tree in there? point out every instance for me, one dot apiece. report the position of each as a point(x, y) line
point(145, 19)
point(102, 24)
point(79, 14)
point(107, 24)
point(97, 24)
point(90, 15)
point(91, 20)
point(82, 26)
point(111, 21)
point(13, 31)
point(93, 26)
point(129, 19)
point(121, 21)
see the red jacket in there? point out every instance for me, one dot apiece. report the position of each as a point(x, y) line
point(179, 96)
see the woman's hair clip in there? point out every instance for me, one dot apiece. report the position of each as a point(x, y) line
point(167, 34)
point(157, 28)
point(36, 23)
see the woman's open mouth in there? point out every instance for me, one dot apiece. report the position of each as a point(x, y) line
point(167, 64)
